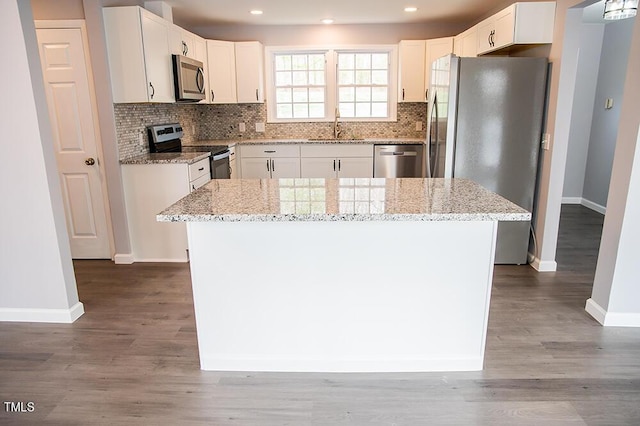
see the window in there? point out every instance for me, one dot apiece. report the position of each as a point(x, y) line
point(363, 85)
point(314, 84)
point(300, 85)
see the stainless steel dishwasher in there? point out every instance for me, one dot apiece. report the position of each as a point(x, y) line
point(396, 161)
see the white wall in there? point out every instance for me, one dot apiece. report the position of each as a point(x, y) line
point(604, 127)
point(590, 38)
point(37, 282)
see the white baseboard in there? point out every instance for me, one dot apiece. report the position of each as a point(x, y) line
point(571, 200)
point(587, 203)
point(544, 265)
point(611, 319)
point(66, 316)
point(123, 259)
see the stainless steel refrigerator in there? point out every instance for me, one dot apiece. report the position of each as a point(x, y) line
point(485, 124)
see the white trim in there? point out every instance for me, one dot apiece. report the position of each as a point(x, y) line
point(612, 319)
point(571, 200)
point(64, 23)
point(544, 265)
point(66, 316)
point(593, 206)
point(123, 259)
point(163, 260)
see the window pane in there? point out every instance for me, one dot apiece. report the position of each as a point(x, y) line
point(347, 94)
point(379, 77)
point(283, 95)
point(299, 62)
point(345, 77)
point(346, 61)
point(363, 94)
point(283, 62)
point(300, 95)
point(284, 111)
point(379, 94)
point(316, 62)
point(379, 109)
point(283, 78)
point(347, 109)
point(316, 110)
point(363, 61)
point(380, 61)
point(300, 111)
point(363, 109)
point(316, 78)
point(299, 78)
point(363, 77)
point(316, 95)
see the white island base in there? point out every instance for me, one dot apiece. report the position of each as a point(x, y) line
point(342, 296)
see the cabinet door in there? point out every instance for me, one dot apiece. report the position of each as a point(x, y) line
point(505, 26)
point(412, 61)
point(221, 59)
point(486, 35)
point(256, 168)
point(249, 72)
point(355, 167)
point(155, 38)
point(314, 167)
point(435, 48)
point(285, 168)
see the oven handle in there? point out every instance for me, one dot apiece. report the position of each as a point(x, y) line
point(221, 156)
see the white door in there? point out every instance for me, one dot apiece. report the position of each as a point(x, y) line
point(355, 167)
point(256, 168)
point(75, 136)
point(285, 168)
point(318, 167)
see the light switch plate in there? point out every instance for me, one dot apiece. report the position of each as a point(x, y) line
point(608, 103)
point(242, 127)
point(418, 125)
point(260, 127)
point(141, 139)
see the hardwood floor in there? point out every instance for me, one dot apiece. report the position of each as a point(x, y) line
point(133, 359)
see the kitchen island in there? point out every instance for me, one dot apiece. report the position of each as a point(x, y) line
point(342, 275)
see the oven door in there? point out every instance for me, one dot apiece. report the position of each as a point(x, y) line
point(220, 166)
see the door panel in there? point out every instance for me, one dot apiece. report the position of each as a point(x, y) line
point(75, 135)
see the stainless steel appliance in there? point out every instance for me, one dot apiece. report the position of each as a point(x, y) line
point(397, 161)
point(188, 78)
point(485, 124)
point(166, 138)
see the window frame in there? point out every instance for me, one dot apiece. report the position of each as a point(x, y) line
point(331, 80)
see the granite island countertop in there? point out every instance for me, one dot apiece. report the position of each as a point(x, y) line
point(320, 141)
point(361, 199)
point(167, 158)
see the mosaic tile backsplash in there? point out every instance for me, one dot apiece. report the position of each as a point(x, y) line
point(203, 122)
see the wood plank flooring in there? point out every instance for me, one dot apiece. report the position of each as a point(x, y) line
point(133, 359)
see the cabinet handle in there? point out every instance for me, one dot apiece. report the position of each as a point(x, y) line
point(153, 90)
point(193, 187)
point(268, 169)
point(273, 165)
point(426, 94)
point(257, 97)
point(201, 169)
point(271, 151)
point(403, 94)
point(339, 165)
point(213, 96)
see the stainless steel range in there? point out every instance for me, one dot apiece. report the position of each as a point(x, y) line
point(166, 138)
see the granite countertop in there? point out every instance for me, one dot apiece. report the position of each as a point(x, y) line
point(167, 158)
point(362, 199)
point(327, 141)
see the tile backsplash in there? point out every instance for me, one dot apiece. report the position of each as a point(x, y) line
point(203, 122)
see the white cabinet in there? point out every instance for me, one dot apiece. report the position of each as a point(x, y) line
point(249, 57)
point(183, 42)
point(520, 23)
point(465, 44)
point(330, 161)
point(149, 189)
point(411, 86)
point(233, 163)
point(139, 56)
point(221, 58)
point(435, 48)
point(270, 161)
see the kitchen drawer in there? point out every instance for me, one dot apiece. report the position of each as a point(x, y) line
point(268, 151)
point(201, 181)
point(199, 169)
point(337, 150)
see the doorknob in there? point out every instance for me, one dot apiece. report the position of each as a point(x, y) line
point(89, 161)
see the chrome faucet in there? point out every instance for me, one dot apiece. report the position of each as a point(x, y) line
point(337, 129)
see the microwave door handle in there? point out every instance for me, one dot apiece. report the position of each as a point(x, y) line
point(200, 80)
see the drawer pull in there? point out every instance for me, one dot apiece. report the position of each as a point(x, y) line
point(270, 152)
point(201, 169)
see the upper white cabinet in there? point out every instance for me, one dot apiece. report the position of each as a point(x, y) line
point(435, 48)
point(249, 72)
point(411, 87)
point(520, 23)
point(185, 43)
point(222, 72)
point(465, 44)
point(139, 55)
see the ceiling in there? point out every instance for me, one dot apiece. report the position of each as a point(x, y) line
point(301, 12)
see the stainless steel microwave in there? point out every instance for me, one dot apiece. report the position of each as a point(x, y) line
point(188, 76)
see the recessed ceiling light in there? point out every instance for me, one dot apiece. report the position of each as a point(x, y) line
point(410, 9)
point(327, 21)
point(256, 12)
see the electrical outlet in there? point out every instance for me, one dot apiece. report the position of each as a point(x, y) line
point(193, 129)
point(546, 141)
point(242, 127)
point(260, 127)
point(141, 139)
point(418, 126)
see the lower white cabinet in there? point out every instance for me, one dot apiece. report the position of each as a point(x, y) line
point(149, 189)
point(342, 161)
point(270, 161)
